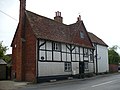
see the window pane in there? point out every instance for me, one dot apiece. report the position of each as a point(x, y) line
point(56, 46)
point(82, 35)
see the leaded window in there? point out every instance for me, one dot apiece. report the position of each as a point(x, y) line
point(82, 35)
point(56, 46)
point(68, 67)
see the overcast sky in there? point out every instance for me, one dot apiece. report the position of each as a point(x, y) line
point(101, 17)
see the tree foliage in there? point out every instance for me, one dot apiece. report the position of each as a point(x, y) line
point(114, 57)
point(3, 50)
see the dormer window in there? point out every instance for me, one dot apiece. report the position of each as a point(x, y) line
point(82, 35)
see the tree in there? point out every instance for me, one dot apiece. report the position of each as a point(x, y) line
point(114, 57)
point(3, 50)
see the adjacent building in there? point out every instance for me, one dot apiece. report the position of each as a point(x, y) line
point(100, 54)
point(3, 66)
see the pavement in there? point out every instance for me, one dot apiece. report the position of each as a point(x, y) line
point(11, 85)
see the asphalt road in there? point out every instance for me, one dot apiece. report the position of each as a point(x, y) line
point(102, 82)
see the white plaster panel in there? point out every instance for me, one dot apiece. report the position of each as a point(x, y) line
point(41, 54)
point(75, 68)
point(81, 50)
point(57, 56)
point(73, 57)
point(49, 55)
point(48, 45)
point(68, 57)
point(41, 42)
point(77, 49)
point(77, 57)
point(63, 47)
point(81, 57)
point(73, 50)
point(90, 67)
point(102, 52)
point(51, 68)
point(63, 56)
point(68, 49)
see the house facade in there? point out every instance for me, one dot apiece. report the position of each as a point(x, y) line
point(45, 49)
point(100, 54)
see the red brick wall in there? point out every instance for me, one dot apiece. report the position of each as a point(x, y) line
point(30, 55)
point(113, 68)
point(17, 56)
point(24, 55)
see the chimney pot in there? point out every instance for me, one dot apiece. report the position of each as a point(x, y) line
point(58, 17)
point(79, 18)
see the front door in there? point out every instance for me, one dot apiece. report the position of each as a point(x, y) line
point(81, 68)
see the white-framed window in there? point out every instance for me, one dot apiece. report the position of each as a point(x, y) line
point(68, 67)
point(56, 46)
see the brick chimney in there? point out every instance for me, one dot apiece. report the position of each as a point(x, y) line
point(58, 17)
point(22, 9)
point(21, 75)
point(78, 18)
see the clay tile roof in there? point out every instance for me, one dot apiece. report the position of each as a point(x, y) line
point(97, 40)
point(2, 62)
point(45, 28)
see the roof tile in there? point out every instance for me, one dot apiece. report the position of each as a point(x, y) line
point(97, 40)
point(45, 28)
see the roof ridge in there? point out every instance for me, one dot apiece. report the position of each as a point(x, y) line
point(96, 37)
point(45, 17)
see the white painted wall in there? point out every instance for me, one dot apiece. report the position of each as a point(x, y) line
point(51, 68)
point(91, 67)
point(75, 68)
point(102, 56)
point(102, 59)
point(57, 68)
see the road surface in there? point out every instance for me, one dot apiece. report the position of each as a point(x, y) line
point(101, 82)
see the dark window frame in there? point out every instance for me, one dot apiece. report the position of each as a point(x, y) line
point(56, 46)
point(67, 66)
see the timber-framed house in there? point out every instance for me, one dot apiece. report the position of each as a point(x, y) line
point(45, 49)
